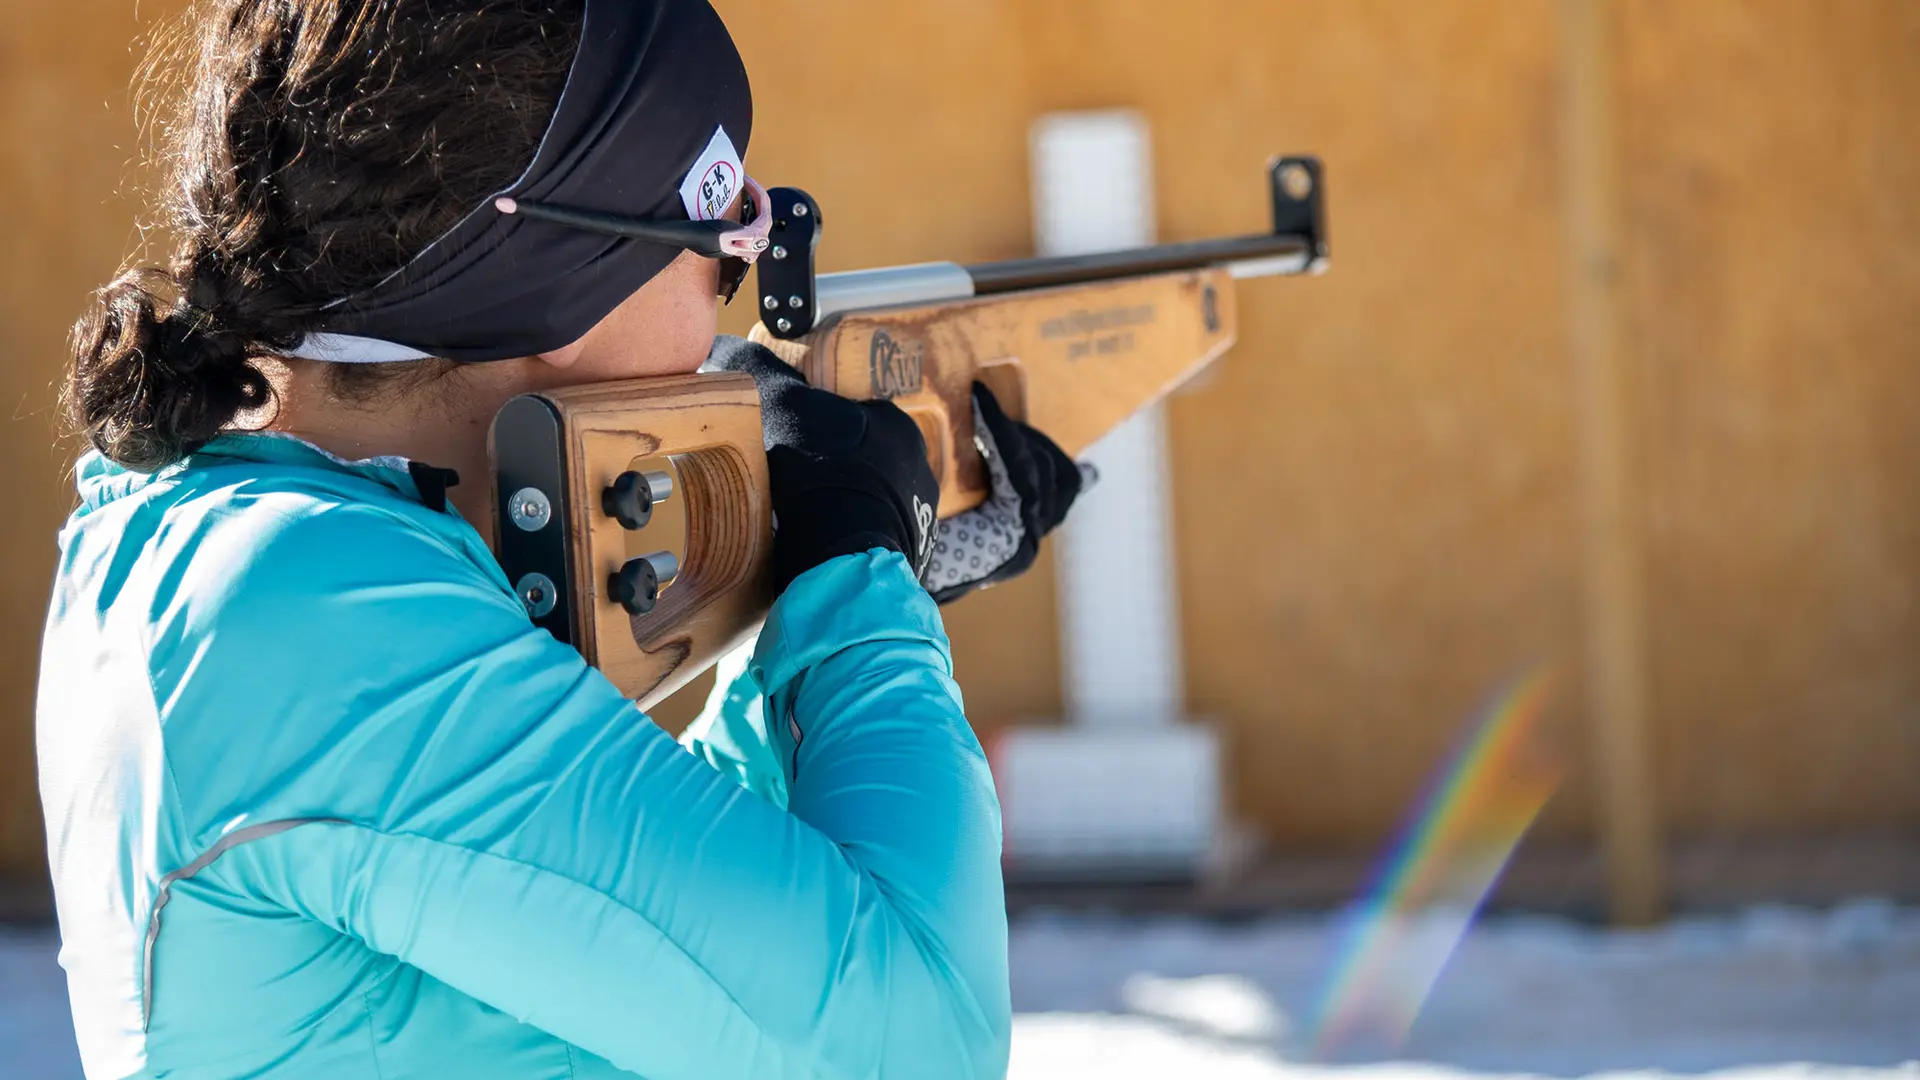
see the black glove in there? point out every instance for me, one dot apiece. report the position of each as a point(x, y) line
point(847, 476)
point(1034, 482)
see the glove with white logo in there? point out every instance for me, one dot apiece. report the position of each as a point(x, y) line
point(1033, 481)
point(847, 476)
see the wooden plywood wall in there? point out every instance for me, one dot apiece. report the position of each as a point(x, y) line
point(1375, 495)
point(1771, 173)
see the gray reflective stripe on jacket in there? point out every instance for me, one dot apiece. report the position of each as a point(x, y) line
point(225, 844)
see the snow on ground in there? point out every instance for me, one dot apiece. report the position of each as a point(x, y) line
point(1839, 990)
point(1770, 994)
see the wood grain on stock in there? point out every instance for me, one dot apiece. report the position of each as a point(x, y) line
point(1073, 361)
point(710, 425)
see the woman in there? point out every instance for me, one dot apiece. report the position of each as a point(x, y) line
point(321, 801)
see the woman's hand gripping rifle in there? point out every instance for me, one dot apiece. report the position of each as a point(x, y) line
point(1072, 346)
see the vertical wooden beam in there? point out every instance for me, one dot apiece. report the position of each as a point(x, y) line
point(1613, 577)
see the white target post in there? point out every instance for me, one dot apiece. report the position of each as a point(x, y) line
point(1128, 788)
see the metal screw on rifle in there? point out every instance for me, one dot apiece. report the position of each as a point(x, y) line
point(783, 325)
point(779, 252)
point(1296, 181)
point(799, 209)
point(537, 594)
point(795, 302)
point(770, 303)
point(530, 509)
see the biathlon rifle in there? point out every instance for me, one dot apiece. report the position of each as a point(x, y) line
point(586, 477)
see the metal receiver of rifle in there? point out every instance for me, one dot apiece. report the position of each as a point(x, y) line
point(1073, 345)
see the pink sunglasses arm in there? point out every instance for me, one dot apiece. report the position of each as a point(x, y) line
point(749, 240)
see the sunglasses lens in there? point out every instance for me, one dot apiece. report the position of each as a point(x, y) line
point(733, 271)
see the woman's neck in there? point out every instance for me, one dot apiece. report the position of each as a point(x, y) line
point(442, 422)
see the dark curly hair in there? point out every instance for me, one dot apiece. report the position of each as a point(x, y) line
point(322, 143)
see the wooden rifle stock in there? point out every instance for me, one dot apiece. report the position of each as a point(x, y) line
point(587, 477)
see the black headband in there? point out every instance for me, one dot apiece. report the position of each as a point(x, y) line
point(653, 123)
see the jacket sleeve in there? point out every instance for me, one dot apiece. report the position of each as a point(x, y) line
point(731, 732)
point(485, 807)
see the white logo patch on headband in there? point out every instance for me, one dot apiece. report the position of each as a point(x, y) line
point(714, 179)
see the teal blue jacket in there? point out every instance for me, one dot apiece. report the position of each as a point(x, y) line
point(321, 802)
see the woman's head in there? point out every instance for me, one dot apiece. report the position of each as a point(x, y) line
point(321, 144)
point(324, 145)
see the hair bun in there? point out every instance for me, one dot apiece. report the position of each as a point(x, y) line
point(188, 340)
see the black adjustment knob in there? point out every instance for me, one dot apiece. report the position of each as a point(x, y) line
point(636, 586)
point(631, 497)
point(629, 500)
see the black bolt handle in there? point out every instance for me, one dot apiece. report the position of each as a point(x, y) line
point(631, 497)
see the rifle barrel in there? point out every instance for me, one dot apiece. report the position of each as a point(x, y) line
point(1247, 256)
point(889, 286)
point(928, 283)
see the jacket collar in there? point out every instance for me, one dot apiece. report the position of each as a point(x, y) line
point(101, 480)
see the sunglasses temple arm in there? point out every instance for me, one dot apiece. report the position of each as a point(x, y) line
point(700, 236)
